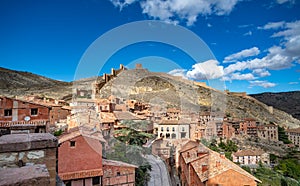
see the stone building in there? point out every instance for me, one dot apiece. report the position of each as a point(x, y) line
point(268, 132)
point(294, 136)
point(251, 157)
point(80, 161)
point(107, 123)
point(28, 159)
point(134, 105)
point(228, 131)
point(29, 116)
point(173, 114)
point(118, 173)
point(198, 165)
point(105, 105)
point(249, 127)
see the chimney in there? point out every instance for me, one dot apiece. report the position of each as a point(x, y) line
point(222, 155)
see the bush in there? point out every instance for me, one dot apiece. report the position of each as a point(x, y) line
point(58, 132)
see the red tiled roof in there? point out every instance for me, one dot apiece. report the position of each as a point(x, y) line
point(170, 110)
point(248, 152)
point(107, 117)
point(117, 163)
point(216, 164)
point(294, 130)
point(126, 116)
point(103, 101)
point(78, 132)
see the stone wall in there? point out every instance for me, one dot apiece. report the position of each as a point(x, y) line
point(19, 150)
point(35, 175)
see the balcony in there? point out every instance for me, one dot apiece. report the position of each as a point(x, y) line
point(34, 123)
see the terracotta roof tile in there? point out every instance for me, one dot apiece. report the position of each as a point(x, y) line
point(107, 117)
point(249, 152)
point(126, 116)
point(295, 130)
point(215, 162)
point(117, 163)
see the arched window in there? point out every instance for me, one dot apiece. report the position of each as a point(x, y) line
point(168, 135)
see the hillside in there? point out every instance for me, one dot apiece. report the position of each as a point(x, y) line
point(18, 83)
point(288, 102)
point(168, 91)
point(159, 89)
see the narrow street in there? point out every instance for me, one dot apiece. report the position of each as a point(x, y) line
point(159, 173)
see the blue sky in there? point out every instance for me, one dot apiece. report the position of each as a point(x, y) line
point(256, 44)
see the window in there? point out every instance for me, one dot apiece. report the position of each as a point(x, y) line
point(118, 174)
point(173, 136)
point(183, 135)
point(168, 135)
point(34, 111)
point(167, 129)
point(96, 180)
point(182, 129)
point(161, 129)
point(8, 112)
point(72, 143)
point(173, 129)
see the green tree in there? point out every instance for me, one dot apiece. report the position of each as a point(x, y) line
point(128, 148)
point(141, 175)
point(132, 137)
point(58, 132)
point(282, 136)
point(289, 167)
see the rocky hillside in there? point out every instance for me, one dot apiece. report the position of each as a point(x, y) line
point(169, 91)
point(288, 102)
point(18, 83)
point(155, 88)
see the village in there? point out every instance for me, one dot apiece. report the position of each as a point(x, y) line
point(87, 128)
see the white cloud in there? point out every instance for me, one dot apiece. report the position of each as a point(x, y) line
point(293, 83)
point(239, 76)
point(261, 72)
point(278, 57)
point(273, 25)
point(209, 25)
point(178, 72)
point(285, 1)
point(121, 4)
point(242, 54)
point(174, 11)
point(264, 84)
point(248, 33)
point(207, 70)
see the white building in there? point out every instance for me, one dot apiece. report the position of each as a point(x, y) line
point(294, 136)
point(251, 157)
point(173, 129)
